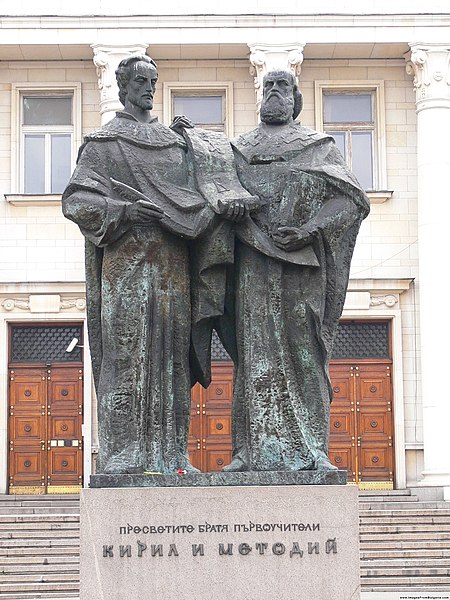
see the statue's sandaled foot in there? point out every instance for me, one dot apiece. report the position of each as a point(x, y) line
point(237, 465)
point(323, 464)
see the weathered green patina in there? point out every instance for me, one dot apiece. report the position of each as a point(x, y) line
point(134, 196)
point(286, 308)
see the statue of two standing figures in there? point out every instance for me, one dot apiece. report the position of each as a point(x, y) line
point(187, 232)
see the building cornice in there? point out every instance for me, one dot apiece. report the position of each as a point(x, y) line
point(397, 20)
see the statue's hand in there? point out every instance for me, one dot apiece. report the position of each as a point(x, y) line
point(143, 212)
point(234, 210)
point(292, 238)
point(181, 122)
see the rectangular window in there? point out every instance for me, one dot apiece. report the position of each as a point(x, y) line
point(204, 111)
point(207, 105)
point(354, 115)
point(349, 117)
point(46, 141)
point(45, 136)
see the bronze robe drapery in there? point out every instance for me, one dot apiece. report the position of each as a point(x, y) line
point(287, 310)
point(138, 291)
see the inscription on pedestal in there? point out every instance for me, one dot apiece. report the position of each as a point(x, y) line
point(221, 543)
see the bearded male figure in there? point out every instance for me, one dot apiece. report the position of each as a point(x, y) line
point(292, 262)
point(134, 198)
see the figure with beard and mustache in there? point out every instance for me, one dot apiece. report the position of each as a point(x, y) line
point(291, 269)
point(134, 196)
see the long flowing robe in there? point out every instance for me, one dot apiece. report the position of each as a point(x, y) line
point(287, 307)
point(138, 290)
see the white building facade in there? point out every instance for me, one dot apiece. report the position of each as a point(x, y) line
point(378, 81)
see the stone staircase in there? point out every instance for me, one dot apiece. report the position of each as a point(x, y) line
point(39, 547)
point(405, 543)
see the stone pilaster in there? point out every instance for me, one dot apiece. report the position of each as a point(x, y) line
point(106, 60)
point(430, 65)
point(267, 57)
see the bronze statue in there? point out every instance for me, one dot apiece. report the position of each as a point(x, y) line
point(292, 262)
point(134, 197)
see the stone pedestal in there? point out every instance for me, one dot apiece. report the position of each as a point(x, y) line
point(221, 542)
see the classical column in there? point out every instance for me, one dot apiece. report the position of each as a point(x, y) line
point(107, 59)
point(267, 57)
point(430, 65)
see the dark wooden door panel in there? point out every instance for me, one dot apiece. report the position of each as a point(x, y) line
point(361, 421)
point(210, 431)
point(26, 467)
point(27, 390)
point(216, 459)
point(65, 465)
point(45, 436)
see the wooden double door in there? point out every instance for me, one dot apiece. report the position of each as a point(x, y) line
point(361, 423)
point(45, 438)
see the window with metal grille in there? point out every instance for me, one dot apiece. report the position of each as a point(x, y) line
point(45, 344)
point(362, 340)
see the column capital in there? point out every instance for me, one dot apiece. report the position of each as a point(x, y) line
point(430, 66)
point(267, 57)
point(106, 60)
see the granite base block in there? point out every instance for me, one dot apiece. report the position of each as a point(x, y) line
point(220, 543)
point(220, 479)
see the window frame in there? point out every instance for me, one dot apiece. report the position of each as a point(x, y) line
point(379, 131)
point(209, 88)
point(21, 90)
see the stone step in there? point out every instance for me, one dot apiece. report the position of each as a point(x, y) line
point(42, 588)
point(43, 510)
point(41, 526)
point(405, 572)
point(73, 559)
point(402, 590)
point(40, 569)
point(36, 595)
point(387, 520)
point(419, 553)
point(390, 499)
point(402, 505)
point(23, 578)
point(39, 534)
point(410, 562)
point(431, 536)
point(38, 499)
point(409, 582)
point(40, 543)
point(410, 515)
point(401, 528)
point(384, 493)
point(40, 550)
point(66, 518)
point(401, 544)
